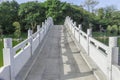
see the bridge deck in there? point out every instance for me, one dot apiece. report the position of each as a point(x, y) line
point(59, 59)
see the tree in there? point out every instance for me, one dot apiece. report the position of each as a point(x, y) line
point(1, 31)
point(8, 14)
point(17, 32)
point(116, 17)
point(101, 13)
point(115, 29)
point(90, 4)
point(31, 14)
point(109, 10)
point(109, 28)
point(107, 16)
point(54, 9)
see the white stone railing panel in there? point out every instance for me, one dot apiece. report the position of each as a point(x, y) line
point(104, 56)
point(72, 29)
point(21, 58)
point(76, 28)
point(35, 44)
point(99, 44)
point(98, 52)
point(99, 58)
point(35, 35)
point(83, 33)
point(115, 72)
point(83, 42)
point(4, 73)
point(41, 35)
point(77, 35)
point(21, 46)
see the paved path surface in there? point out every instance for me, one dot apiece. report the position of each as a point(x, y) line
point(60, 59)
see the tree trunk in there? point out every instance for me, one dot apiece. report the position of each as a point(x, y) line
point(33, 24)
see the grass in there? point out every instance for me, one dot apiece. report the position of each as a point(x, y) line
point(103, 40)
point(104, 37)
point(1, 54)
point(101, 34)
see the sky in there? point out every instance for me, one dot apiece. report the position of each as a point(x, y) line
point(102, 3)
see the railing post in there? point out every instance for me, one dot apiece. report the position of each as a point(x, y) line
point(47, 26)
point(80, 28)
point(43, 26)
point(112, 55)
point(30, 41)
point(8, 56)
point(29, 33)
point(74, 26)
point(89, 34)
point(38, 30)
point(38, 27)
point(71, 26)
point(42, 35)
point(51, 22)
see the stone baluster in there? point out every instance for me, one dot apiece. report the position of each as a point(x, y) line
point(43, 27)
point(29, 33)
point(89, 34)
point(38, 30)
point(38, 27)
point(30, 40)
point(74, 27)
point(112, 55)
point(8, 57)
point(80, 28)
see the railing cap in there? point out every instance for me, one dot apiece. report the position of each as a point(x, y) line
point(113, 41)
point(7, 42)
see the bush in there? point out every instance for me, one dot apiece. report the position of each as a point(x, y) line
point(109, 28)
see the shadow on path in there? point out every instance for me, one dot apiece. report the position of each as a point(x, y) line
point(73, 66)
point(59, 59)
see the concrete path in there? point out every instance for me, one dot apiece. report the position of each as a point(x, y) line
point(60, 59)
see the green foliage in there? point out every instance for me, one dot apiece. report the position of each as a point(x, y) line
point(31, 13)
point(55, 9)
point(17, 32)
point(8, 14)
point(28, 15)
point(1, 31)
point(109, 10)
point(100, 13)
point(116, 17)
point(109, 28)
point(114, 28)
point(16, 24)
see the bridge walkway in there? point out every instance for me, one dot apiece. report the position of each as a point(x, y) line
point(59, 59)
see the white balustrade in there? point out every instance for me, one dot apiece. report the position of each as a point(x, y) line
point(105, 57)
point(16, 57)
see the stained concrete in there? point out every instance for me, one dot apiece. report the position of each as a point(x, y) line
point(59, 59)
